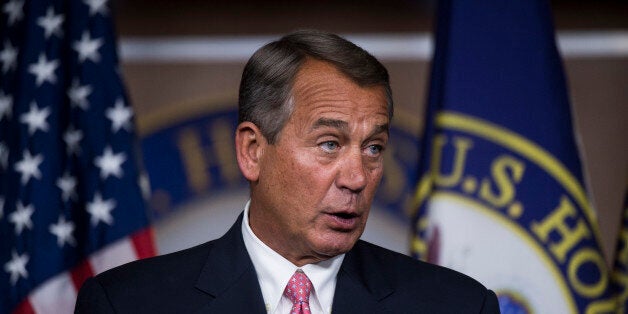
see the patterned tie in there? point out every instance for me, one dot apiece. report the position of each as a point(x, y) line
point(298, 291)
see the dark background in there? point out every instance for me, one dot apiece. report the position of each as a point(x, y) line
point(598, 84)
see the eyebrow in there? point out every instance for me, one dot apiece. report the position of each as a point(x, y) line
point(343, 125)
point(381, 128)
point(333, 123)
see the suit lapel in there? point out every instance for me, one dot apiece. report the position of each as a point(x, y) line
point(360, 284)
point(229, 278)
point(230, 282)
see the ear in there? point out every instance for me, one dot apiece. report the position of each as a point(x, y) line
point(249, 143)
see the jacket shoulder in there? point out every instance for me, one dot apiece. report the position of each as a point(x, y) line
point(396, 264)
point(164, 268)
point(429, 285)
point(137, 286)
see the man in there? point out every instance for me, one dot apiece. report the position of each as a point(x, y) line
point(314, 114)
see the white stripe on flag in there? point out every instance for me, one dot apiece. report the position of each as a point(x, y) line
point(57, 295)
point(116, 254)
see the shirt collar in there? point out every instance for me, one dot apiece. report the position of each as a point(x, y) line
point(274, 271)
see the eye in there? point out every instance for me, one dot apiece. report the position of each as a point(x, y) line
point(329, 146)
point(374, 150)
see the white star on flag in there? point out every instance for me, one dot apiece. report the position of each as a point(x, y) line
point(22, 217)
point(6, 105)
point(29, 166)
point(63, 230)
point(14, 9)
point(120, 116)
point(8, 57)
point(17, 267)
point(72, 137)
point(110, 163)
point(100, 210)
point(97, 6)
point(51, 23)
point(36, 119)
point(67, 184)
point(66, 179)
point(4, 156)
point(78, 94)
point(44, 70)
point(87, 48)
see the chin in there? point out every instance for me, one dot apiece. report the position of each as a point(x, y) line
point(337, 246)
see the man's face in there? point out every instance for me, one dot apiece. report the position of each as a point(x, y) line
point(317, 182)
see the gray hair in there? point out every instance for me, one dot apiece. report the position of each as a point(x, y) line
point(265, 96)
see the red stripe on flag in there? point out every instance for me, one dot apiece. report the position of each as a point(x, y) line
point(80, 273)
point(24, 308)
point(144, 243)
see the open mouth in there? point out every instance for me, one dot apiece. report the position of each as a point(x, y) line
point(345, 215)
point(344, 221)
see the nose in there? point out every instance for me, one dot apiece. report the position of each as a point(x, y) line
point(352, 173)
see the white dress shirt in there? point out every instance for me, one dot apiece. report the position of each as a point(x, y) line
point(274, 271)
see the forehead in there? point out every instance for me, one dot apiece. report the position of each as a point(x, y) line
point(319, 85)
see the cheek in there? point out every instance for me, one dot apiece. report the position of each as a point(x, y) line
point(375, 172)
point(294, 180)
point(304, 170)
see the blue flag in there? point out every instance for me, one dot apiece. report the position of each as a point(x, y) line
point(501, 193)
point(620, 266)
point(70, 202)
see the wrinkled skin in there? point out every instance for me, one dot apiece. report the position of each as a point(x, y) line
point(311, 191)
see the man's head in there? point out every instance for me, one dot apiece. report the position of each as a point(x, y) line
point(314, 118)
point(265, 96)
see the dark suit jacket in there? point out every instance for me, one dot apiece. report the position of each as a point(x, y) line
point(219, 277)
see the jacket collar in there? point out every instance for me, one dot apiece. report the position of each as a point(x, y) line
point(361, 282)
point(229, 277)
point(230, 281)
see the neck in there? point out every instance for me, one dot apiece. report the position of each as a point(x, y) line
point(264, 229)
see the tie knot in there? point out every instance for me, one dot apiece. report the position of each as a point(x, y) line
point(298, 288)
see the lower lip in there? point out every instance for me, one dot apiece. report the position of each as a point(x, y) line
point(341, 223)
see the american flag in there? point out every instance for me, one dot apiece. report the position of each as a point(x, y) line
point(71, 202)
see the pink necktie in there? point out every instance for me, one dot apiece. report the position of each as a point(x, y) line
point(298, 291)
